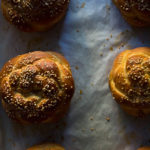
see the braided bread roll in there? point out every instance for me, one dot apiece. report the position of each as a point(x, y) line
point(34, 15)
point(129, 81)
point(36, 87)
point(136, 12)
point(46, 146)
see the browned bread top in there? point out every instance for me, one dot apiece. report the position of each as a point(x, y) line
point(129, 78)
point(136, 12)
point(30, 15)
point(35, 85)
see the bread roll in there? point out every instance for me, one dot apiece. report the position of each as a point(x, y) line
point(129, 81)
point(47, 146)
point(34, 15)
point(144, 148)
point(136, 12)
point(36, 87)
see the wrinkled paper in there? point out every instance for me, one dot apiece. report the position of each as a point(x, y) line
point(91, 35)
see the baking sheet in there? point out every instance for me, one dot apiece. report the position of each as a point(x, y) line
point(91, 35)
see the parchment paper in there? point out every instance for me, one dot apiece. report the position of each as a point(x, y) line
point(91, 35)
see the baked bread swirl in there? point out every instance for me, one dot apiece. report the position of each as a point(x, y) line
point(144, 148)
point(34, 15)
point(135, 12)
point(129, 81)
point(36, 87)
point(46, 146)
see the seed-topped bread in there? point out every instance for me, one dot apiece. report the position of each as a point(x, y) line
point(36, 87)
point(129, 81)
point(34, 15)
point(136, 12)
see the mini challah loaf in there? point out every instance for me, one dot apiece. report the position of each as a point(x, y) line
point(36, 87)
point(47, 146)
point(136, 12)
point(129, 81)
point(34, 15)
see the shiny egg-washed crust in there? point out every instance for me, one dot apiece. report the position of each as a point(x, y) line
point(129, 81)
point(46, 146)
point(144, 148)
point(135, 12)
point(36, 87)
point(34, 15)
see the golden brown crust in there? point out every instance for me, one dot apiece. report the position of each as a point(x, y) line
point(129, 81)
point(36, 87)
point(144, 148)
point(34, 15)
point(136, 12)
point(46, 146)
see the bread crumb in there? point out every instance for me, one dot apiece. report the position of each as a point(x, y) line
point(76, 67)
point(83, 4)
point(127, 30)
point(81, 92)
point(111, 48)
point(91, 118)
point(101, 54)
point(121, 45)
point(107, 7)
point(111, 36)
point(122, 33)
point(107, 118)
point(92, 129)
point(107, 39)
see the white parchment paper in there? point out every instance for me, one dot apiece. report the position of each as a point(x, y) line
point(91, 35)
